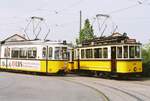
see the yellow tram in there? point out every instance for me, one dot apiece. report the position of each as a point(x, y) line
point(34, 55)
point(115, 54)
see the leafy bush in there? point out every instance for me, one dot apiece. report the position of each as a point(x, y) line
point(146, 69)
point(146, 60)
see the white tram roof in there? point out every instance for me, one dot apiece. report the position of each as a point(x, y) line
point(33, 42)
point(17, 39)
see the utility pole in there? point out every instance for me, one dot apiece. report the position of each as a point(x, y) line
point(79, 39)
point(80, 21)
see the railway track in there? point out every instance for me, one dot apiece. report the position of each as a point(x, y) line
point(116, 91)
point(122, 91)
point(106, 90)
point(103, 96)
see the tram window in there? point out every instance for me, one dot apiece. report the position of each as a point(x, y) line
point(15, 52)
point(7, 52)
point(131, 51)
point(71, 55)
point(50, 52)
point(97, 53)
point(89, 53)
point(44, 52)
point(64, 52)
point(100, 53)
point(32, 52)
point(119, 52)
point(23, 53)
point(105, 52)
point(57, 53)
point(75, 54)
point(82, 53)
point(137, 51)
point(125, 51)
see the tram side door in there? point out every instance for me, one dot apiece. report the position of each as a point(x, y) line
point(113, 59)
point(45, 57)
point(78, 57)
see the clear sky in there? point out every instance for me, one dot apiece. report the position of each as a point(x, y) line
point(62, 16)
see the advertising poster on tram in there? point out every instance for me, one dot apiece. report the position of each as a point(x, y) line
point(21, 64)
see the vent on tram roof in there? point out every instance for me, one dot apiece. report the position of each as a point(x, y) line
point(64, 42)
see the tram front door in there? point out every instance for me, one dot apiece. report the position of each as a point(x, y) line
point(113, 59)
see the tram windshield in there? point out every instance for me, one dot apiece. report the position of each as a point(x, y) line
point(61, 53)
point(64, 52)
point(137, 52)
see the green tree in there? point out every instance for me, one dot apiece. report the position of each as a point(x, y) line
point(146, 60)
point(86, 33)
point(146, 53)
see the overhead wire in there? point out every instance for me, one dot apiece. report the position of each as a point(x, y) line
point(129, 7)
point(69, 6)
point(58, 12)
point(79, 1)
point(61, 10)
point(123, 9)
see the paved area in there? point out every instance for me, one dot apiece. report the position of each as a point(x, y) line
point(24, 87)
point(119, 90)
